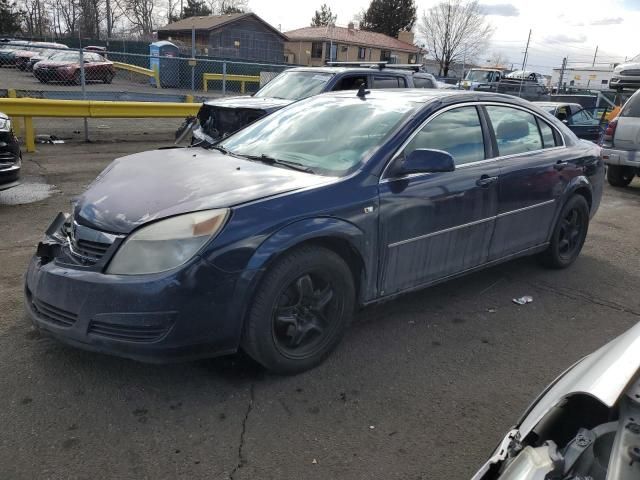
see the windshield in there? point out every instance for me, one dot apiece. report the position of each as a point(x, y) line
point(66, 57)
point(295, 85)
point(331, 136)
point(478, 76)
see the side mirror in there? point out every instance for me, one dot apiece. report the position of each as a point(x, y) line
point(187, 127)
point(425, 160)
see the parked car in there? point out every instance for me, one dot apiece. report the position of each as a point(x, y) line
point(481, 79)
point(267, 240)
point(10, 156)
point(44, 55)
point(222, 116)
point(626, 75)
point(7, 52)
point(585, 425)
point(65, 67)
point(621, 144)
point(579, 120)
point(23, 56)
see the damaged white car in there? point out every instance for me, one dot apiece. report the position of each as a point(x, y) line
point(584, 426)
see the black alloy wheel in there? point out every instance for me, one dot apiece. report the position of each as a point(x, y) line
point(569, 234)
point(300, 310)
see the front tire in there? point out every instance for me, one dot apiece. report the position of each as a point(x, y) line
point(620, 175)
point(300, 310)
point(568, 235)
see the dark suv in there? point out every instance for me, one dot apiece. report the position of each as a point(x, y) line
point(221, 117)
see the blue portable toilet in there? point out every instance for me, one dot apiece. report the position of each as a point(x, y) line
point(163, 56)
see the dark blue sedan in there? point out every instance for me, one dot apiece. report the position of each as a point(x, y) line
point(270, 239)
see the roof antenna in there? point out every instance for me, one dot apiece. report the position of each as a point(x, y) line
point(362, 92)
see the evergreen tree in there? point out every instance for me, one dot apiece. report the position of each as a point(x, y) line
point(323, 17)
point(196, 8)
point(389, 16)
point(10, 17)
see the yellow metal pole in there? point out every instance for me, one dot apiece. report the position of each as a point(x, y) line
point(205, 81)
point(29, 134)
point(242, 86)
point(15, 121)
point(189, 99)
point(156, 75)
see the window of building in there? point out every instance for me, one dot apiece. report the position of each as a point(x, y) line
point(362, 53)
point(385, 55)
point(605, 82)
point(316, 50)
point(413, 58)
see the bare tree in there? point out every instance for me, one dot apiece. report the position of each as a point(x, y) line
point(454, 31)
point(498, 59)
point(140, 15)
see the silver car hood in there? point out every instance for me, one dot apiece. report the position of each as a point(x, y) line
point(604, 374)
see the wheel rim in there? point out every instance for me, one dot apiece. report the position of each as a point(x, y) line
point(570, 235)
point(304, 316)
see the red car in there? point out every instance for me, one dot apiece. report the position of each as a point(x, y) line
point(65, 67)
point(23, 55)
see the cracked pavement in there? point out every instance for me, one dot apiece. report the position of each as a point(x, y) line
point(422, 387)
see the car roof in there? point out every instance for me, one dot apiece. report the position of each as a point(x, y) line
point(336, 70)
point(427, 95)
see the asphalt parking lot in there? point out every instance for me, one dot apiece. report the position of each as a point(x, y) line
point(422, 387)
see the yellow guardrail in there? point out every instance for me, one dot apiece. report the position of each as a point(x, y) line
point(206, 77)
point(33, 107)
point(141, 70)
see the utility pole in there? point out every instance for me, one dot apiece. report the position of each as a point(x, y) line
point(594, 57)
point(564, 66)
point(524, 62)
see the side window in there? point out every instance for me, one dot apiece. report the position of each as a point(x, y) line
point(548, 139)
point(580, 117)
point(351, 82)
point(386, 82)
point(457, 132)
point(516, 130)
point(421, 82)
point(632, 107)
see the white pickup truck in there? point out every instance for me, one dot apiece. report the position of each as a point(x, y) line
point(621, 144)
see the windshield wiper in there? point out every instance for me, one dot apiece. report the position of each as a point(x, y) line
point(276, 161)
point(219, 148)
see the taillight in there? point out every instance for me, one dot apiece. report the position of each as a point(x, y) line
point(607, 139)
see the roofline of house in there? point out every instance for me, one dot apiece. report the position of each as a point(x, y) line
point(408, 49)
point(227, 22)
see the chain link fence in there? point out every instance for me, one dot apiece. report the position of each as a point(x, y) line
point(55, 71)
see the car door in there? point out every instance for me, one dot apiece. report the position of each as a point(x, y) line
point(434, 225)
point(584, 125)
point(534, 170)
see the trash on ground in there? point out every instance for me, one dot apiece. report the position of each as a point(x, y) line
point(314, 461)
point(48, 139)
point(492, 310)
point(523, 300)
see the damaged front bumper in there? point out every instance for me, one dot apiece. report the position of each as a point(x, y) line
point(181, 314)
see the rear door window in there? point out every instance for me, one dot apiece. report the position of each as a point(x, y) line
point(351, 82)
point(548, 138)
point(421, 82)
point(516, 130)
point(388, 81)
point(456, 131)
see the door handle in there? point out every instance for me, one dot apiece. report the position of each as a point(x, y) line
point(560, 165)
point(486, 180)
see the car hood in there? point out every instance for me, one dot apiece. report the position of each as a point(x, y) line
point(51, 63)
point(147, 186)
point(258, 103)
point(604, 374)
point(627, 66)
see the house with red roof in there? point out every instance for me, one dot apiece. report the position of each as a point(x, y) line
point(318, 45)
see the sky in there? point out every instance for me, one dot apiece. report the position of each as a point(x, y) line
point(571, 28)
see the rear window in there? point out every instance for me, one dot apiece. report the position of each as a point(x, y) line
point(632, 107)
point(388, 82)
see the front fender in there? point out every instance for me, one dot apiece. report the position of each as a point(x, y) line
point(288, 237)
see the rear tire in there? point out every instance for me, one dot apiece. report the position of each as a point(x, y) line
point(620, 175)
point(568, 235)
point(300, 310)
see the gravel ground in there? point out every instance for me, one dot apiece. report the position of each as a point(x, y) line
point(422, 387)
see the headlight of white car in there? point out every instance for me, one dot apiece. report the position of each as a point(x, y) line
point(167, 244)
point(5, 125)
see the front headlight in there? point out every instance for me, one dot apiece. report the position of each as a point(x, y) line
point(5, 125)
point(167, 244)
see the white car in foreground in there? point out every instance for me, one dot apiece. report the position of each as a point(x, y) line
point(585, 425)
